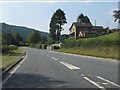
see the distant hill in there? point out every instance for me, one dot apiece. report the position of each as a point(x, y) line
point(23, 31)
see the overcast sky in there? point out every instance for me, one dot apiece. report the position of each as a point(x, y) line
point(37, 15)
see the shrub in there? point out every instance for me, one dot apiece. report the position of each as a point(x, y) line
point(12, 47)
point(38, 46)
point(44, 46)
point(7, 49)
point(32, 45)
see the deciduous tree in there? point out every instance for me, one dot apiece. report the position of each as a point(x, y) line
point(17, 38)
point(34, 37)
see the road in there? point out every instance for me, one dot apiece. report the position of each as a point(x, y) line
point(46, 69)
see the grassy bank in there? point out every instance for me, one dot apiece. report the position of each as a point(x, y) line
point(105, 52)
point(105, 40)
point(8, 59)
point(105, 46)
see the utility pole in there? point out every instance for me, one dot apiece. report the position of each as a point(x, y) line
point(95, 22)
point(107, 23)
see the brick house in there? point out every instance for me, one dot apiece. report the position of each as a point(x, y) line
point(84, 30)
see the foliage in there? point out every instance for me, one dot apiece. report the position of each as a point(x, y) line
point(23, 31)
point(117, 15)
point(43, 39)
point(7, 38)
point(57, 21)
point(8, 49)
point(82, 18)
point(86, 19)
point(51, 42)
point(44, 46)
point(38, 45)
point(17, 38)
point(10, 58)
point(32, 45)
point(34, 37)
point(11, 39)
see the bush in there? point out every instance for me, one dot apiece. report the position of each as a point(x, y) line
point(12, 47)
point(7, 49)
point(38, 46)
point(44, 46)
point(32, 45)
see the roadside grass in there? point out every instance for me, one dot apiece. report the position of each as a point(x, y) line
point(101, 51)
point(105, 46)
point(8, 59)
point(105, 40)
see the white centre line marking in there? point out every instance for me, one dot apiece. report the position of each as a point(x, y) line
point(69, 65)
point(13, 71)
point(54, 58)
point(94, 83)
point(108, 81)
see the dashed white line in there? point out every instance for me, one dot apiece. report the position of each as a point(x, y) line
point(13, 71)
point(69, 65)
point(54, 58)
point(94, 83)
point(108, 81)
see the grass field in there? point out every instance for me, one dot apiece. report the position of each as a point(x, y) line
point(8, 59)
point(105, 46)
point(105, 40)
point(105, 52)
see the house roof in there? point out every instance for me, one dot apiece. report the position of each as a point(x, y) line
point(81, 24)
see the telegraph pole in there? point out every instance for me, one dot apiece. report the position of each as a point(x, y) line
point(95, 22)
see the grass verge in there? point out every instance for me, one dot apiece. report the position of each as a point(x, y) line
point(8, 59)
point(104, 52)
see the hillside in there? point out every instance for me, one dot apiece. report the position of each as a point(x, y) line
point(23, 31)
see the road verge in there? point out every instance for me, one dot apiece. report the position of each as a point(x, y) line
point(14, 64)
point(85, 56)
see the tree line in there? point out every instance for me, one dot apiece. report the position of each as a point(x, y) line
point(16, 39)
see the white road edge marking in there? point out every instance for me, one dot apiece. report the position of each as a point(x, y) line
point(108, 81)
point(54, 58)
point(13, 71)
point(94, 83)
point(69, 65)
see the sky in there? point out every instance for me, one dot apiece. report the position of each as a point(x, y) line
point(37, 14)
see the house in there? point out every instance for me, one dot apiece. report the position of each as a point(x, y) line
point(84, 30)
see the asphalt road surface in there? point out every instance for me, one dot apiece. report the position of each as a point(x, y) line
point(46, 69)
